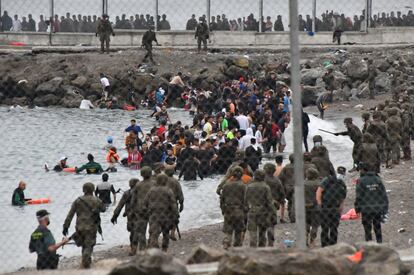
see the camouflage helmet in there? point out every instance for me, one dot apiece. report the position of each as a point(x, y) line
point(259, 175)
point(162, 179)
point(348, 120)
point(312, 174)
point(146, 172)
point(237, 172)
point(269, 168)
point(88, 188)
point(317, 138)
point(169, 172)
point(133, 182)
point(365, 116)
point(393, 111)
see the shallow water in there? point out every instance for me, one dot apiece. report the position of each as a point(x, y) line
point(32, 137)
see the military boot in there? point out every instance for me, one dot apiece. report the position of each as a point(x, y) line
point(133, 251)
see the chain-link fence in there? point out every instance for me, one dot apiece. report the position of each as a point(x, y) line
point(237, 136)
point(247, 15)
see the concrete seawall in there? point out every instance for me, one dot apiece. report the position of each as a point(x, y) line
point(402, 35)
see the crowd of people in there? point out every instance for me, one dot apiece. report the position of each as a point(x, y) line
point(328, 21)
point(230, 133)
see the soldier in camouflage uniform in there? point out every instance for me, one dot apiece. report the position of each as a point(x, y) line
point(379, 132)
point(381, 110)
point(323, 165)
point(147, 39)
point(307, 163)
point(312, 212)
point(367, 121)
point(202, 34)
point(175, 187)
point(239, 158)
point(369, 153)
point(356, 136)
point(162, 209)
point(233, 208)
point(126, 202)
point(319, 147)
point(288, 182)
point(87, 209)
point(372, 74)
point(138, 194)
point(104, 30)
point(278, 196)
point(260, 209)
point(394, 128)
point(406, 119)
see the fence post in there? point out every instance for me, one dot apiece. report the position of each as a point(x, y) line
point(297, 125)
point(208, 6)
point(261, 16)
point(366, 15)
point(103, 6)
point(314, 16)
point(156, 15)
point(1, 27)
point(52, 16)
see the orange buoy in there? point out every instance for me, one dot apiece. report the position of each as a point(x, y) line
point(70, 170)
point(357, 257)
point(39, 201)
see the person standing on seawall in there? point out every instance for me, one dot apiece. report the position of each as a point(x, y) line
point(104, 30)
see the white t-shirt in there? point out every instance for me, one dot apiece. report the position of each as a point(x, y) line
point(17, 26)
point(86, 104)
point(105, 82)
point(243, 122)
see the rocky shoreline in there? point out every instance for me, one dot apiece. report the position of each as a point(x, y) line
point(55, 79)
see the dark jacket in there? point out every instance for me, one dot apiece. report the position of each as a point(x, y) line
point(18, 197)
point(371, 196)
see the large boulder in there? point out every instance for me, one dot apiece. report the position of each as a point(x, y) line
point(72, 98)
point(378, 260)
point(340, 78)
point(356, 68)
point(383, 82)
point(271, 261)
point(309, 76)
point(382, 64)
point(53, 86)
point(204, 254)
point(235, 72)
point(310, 94)
point(46, 100)
point(80, 81)
point(141, 81)
point(241, 62)
point(22, 101)
point(340, 259)
point(151, 262)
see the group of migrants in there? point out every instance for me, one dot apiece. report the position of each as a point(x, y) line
point(328, 21)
